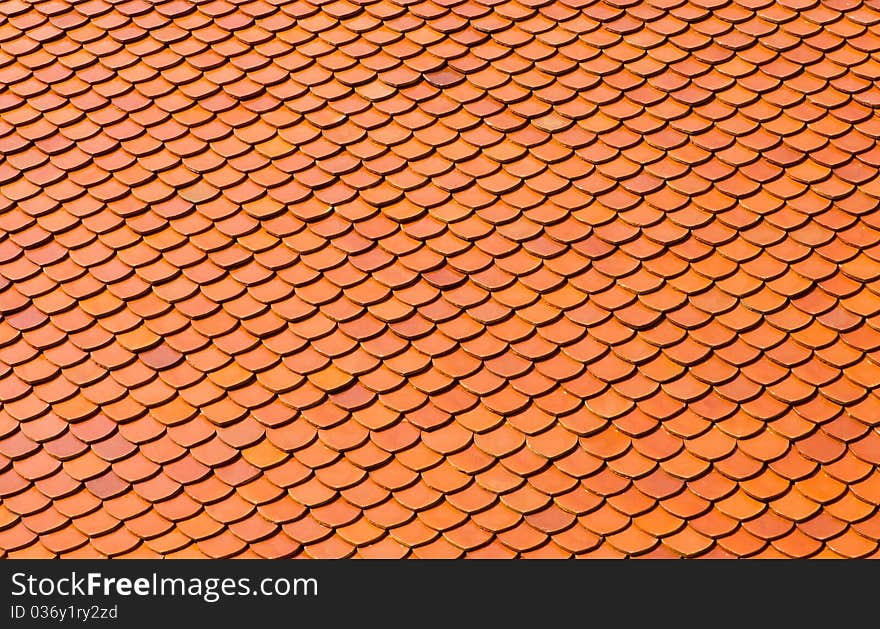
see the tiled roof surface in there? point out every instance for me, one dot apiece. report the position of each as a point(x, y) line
point(483, 278)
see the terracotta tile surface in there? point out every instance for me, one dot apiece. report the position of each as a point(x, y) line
point(439, 278)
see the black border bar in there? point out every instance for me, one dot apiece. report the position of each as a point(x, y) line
point(458, 593)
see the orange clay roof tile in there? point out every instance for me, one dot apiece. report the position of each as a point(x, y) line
point(577, 280)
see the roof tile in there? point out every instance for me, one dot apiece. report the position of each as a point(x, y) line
point(257, 326)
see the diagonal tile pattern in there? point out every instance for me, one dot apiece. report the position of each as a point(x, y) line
point(439, 278)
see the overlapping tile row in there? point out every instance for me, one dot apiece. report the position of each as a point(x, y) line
point(497, 278)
